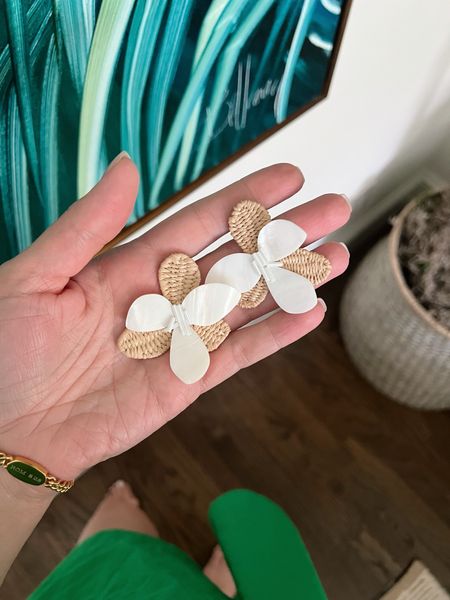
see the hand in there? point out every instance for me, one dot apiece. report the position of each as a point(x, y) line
point(68, 398)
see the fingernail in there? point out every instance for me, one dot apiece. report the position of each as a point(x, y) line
point(116, 160)
point(322, 303)
point(118, 484)
point(345, 247)
point(347, 199)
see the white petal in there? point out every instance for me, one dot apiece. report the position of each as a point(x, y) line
point(279, 238)
point(208, 303)
point(189, 357)
point(149, 313)
point(292, 292)
point(236, 270)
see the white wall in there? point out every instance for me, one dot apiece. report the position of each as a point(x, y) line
point(440, 158)
point(387, 111)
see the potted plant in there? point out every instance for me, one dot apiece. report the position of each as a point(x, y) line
point(395, 311)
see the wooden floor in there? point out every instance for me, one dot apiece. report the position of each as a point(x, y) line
point(366, 480)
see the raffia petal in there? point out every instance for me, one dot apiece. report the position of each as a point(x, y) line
point(255, 296)
point(311, 265)
point(245, 222)
point(213, 335)
point(178, 274)
point(148, 344)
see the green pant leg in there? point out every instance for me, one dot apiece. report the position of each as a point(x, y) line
point(263, 549)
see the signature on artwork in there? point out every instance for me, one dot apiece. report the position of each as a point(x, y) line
point(238, 103)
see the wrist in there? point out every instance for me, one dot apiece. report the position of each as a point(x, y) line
point(32, 474)
point(53, 461)
point(23, 506)
point(16, 492)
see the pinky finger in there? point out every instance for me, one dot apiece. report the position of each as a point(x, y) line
point(249, 345)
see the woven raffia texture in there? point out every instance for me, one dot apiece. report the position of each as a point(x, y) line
point(178, 274)
point(398, 350)
point(246, 221)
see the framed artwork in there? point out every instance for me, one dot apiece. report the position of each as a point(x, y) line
point(184, 86)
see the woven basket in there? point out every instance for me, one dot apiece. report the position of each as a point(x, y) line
point(391, 338)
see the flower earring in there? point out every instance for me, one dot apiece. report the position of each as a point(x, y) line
point(187, 318)
point(273, 260)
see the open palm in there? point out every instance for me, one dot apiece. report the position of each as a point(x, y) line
point(68, 397)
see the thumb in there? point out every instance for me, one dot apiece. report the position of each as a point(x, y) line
point(82, 231)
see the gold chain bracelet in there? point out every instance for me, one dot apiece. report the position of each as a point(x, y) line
point(33, 473)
